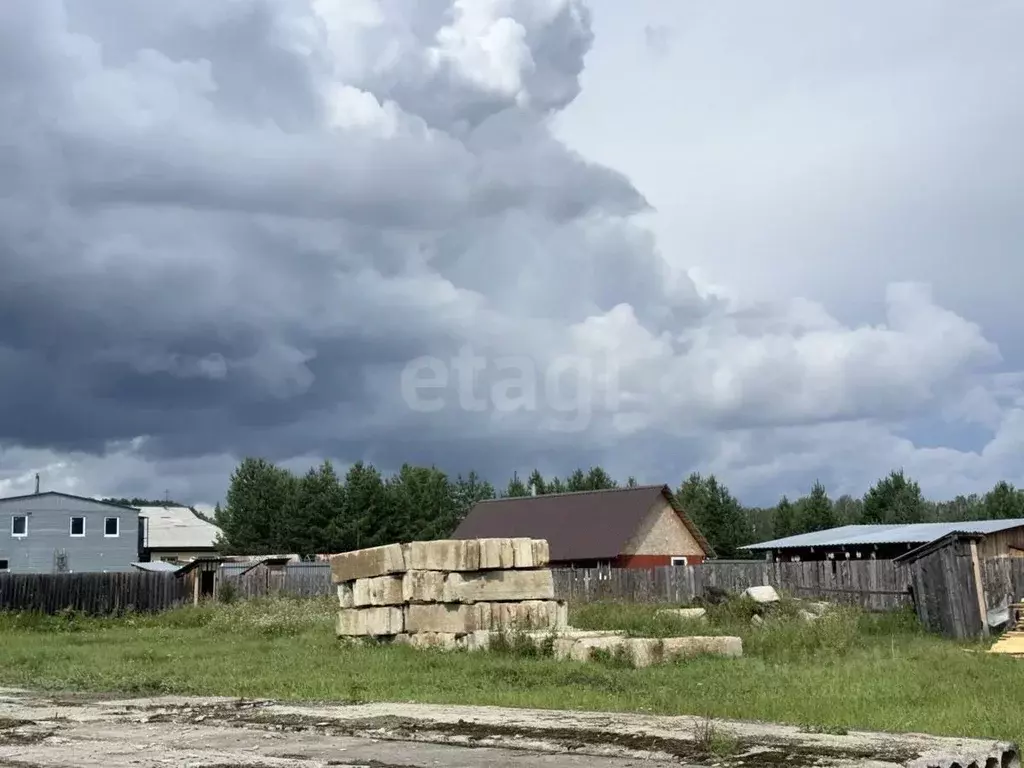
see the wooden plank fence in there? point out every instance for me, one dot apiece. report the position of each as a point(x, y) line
point(294, 580)
point(101, 594)
point(873, 584)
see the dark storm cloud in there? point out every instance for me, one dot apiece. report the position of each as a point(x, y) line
point(229, 227)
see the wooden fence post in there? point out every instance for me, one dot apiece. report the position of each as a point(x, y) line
point(979, 587)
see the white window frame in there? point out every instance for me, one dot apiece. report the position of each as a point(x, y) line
point(71, 527)
point(19, 535)
point(111, 535)
point(679, 561)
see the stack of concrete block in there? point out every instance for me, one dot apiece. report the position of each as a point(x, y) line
point(439, 593)
point(460, 594)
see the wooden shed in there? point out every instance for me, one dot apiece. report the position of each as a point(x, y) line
point(946, 582)
point(264, 577)
point(202, 576)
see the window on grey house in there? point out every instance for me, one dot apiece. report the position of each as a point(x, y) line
point(78, 526)
point(4, 565)
point(19, 525)
point(111, 526)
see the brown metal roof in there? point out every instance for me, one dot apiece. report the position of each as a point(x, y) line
point(587, 525)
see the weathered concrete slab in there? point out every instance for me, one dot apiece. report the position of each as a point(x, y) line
point(448, 618)
point(371, 622)
point(541, 553)
point(490, 586)
point(367, 563)
point(481, 641)
point(423, 586)
point(345, 597)
point(445, 555)
point(497, 554)
point(645, 651)
point(462, 618)
point(176, 730)
point(528, 615)
point(380, 590)
point(522, 553)
point(582, 648)
point(686, 614)
point(445, 641)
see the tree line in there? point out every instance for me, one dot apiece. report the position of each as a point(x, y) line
point(270, 509)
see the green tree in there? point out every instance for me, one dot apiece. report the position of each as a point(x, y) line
point(1003, 502)
point(577, 481)
point(894, 499)
point(848, 510)
point(599, 480)
point(366, 507)
point(467, 491)
point(716, 512)
point(960, 508)
point(422, 504)
point(319, 513)
point(516, 487)
point(784, 520)
point(536, 483)
point(254, 519)
point(816, 512)
point(760, 522)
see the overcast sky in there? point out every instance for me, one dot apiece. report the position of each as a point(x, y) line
point(776, 242)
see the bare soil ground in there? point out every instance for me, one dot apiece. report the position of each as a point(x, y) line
point(44, 731)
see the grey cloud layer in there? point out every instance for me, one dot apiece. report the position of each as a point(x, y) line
point(227, 227)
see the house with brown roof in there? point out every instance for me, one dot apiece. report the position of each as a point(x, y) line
point(639, 527)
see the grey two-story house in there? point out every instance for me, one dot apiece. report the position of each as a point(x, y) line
point(53, 532)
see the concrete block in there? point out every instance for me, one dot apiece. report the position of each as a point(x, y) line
point(463, 618)
point(371, 622)
point(645, 651)
point(561, 614)
point(655, 650)
point(541, 553)
point(528, 615)
point(446, 641)
point(496, 554)
point(490, 586)
point(423, 586)
point(445, 555)
point(687, 614)
point(380, 590)
point(448, 618)
point(345, 596)
point(686, 647)
point(581, 648)
point(522, 553)
point(367, 563)
point(765, 594)
point(481, 641)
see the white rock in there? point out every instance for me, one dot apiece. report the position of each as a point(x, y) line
point(765, 594)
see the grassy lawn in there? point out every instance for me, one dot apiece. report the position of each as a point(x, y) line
point(847, 670)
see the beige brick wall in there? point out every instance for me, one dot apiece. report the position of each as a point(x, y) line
point(663, 533)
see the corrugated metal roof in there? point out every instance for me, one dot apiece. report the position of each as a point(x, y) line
point(916, 533)
point(587, 525)
point(178, 528)
point(156, 567)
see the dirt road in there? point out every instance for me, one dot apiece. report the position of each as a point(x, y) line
point(46, 731)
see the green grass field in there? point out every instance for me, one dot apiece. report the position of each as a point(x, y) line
point(849, 670)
